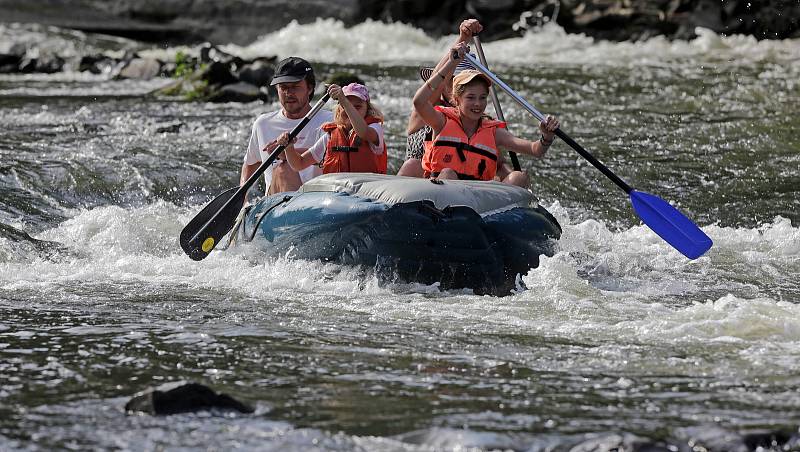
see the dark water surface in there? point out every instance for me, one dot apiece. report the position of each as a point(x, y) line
point(617, 337)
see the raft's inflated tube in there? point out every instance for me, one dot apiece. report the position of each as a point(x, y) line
point(409, 240)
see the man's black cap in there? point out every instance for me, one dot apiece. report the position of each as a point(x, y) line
point(292, 69)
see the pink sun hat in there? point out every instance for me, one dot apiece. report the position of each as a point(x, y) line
point(358, 90)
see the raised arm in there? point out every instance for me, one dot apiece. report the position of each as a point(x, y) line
point(424, 95)
point(467, 29)
point(356, 120)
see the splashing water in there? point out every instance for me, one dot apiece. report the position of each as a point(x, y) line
point(616, 334)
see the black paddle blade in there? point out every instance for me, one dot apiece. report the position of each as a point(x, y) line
point(208, 227)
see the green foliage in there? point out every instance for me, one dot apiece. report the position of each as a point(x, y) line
point(199, 90)
point(191, 86)
point(184, 65)
point(174, 89)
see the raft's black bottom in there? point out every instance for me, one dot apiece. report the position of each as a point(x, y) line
point(410, 242)
point(455, 247)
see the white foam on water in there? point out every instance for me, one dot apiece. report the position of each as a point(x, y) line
point(42, 117)
point(611, 288)
point(659, 300)
point(12, 251)
point(551, 44)
point(73, 84)
point(112, 428)
point(87, 77)
point(398, 44)
point(328, 40)
point(39, 40)
point(644, 310)
point(115, 244)
point(152, 231)
point(621, 297)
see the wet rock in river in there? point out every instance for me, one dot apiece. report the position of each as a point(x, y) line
point(26, 248)
point(9, 63)
point(479, 7)
point(44, 64)
point(97, 64)
point(258, 73)
point(210, 53)
point(173, 127)
point(771, 440)
point(216, 73)
point(237, 92)
point(140, 68)
point(186, 398)
point(230, 79)
point(27, 65)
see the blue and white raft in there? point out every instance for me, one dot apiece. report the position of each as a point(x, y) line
point(461, 234)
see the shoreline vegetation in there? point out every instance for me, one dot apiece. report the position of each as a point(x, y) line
point(206, 73)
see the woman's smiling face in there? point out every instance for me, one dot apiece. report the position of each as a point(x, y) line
point(473, 100)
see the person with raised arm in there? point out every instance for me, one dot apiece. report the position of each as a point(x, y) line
point(352, 143)
point(419, 134)
point(466, 142)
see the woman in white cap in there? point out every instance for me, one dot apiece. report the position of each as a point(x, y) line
point(353, 142)
point(466, 142)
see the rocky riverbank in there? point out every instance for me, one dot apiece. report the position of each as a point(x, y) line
point(206, 73)
point(241, 21)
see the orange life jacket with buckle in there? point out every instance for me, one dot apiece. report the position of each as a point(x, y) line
point(471, 158)
point(348, 153)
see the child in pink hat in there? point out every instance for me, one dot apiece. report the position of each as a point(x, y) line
point(354, 140)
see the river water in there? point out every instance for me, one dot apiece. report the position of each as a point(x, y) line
point(617, 337)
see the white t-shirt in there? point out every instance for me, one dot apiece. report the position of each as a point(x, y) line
point(269, 126)
point(318, 150)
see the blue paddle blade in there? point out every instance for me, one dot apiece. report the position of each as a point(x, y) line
point(670, 224)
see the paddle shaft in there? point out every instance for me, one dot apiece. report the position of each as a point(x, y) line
point(242, 191)
point(292, 135)
point(495, 101)
point(560, 133)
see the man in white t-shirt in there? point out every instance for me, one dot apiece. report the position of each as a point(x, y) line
point(295, 82)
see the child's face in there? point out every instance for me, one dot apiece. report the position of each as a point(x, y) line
point(472, 102)
point(358, 104)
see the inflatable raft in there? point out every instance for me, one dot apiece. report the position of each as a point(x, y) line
point(460, 234)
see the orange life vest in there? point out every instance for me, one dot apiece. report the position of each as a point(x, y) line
point(470, 158)
point(351, 154)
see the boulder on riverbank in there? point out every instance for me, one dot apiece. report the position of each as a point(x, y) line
point(203, 73)
point(217, 76)
point(184, 398)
